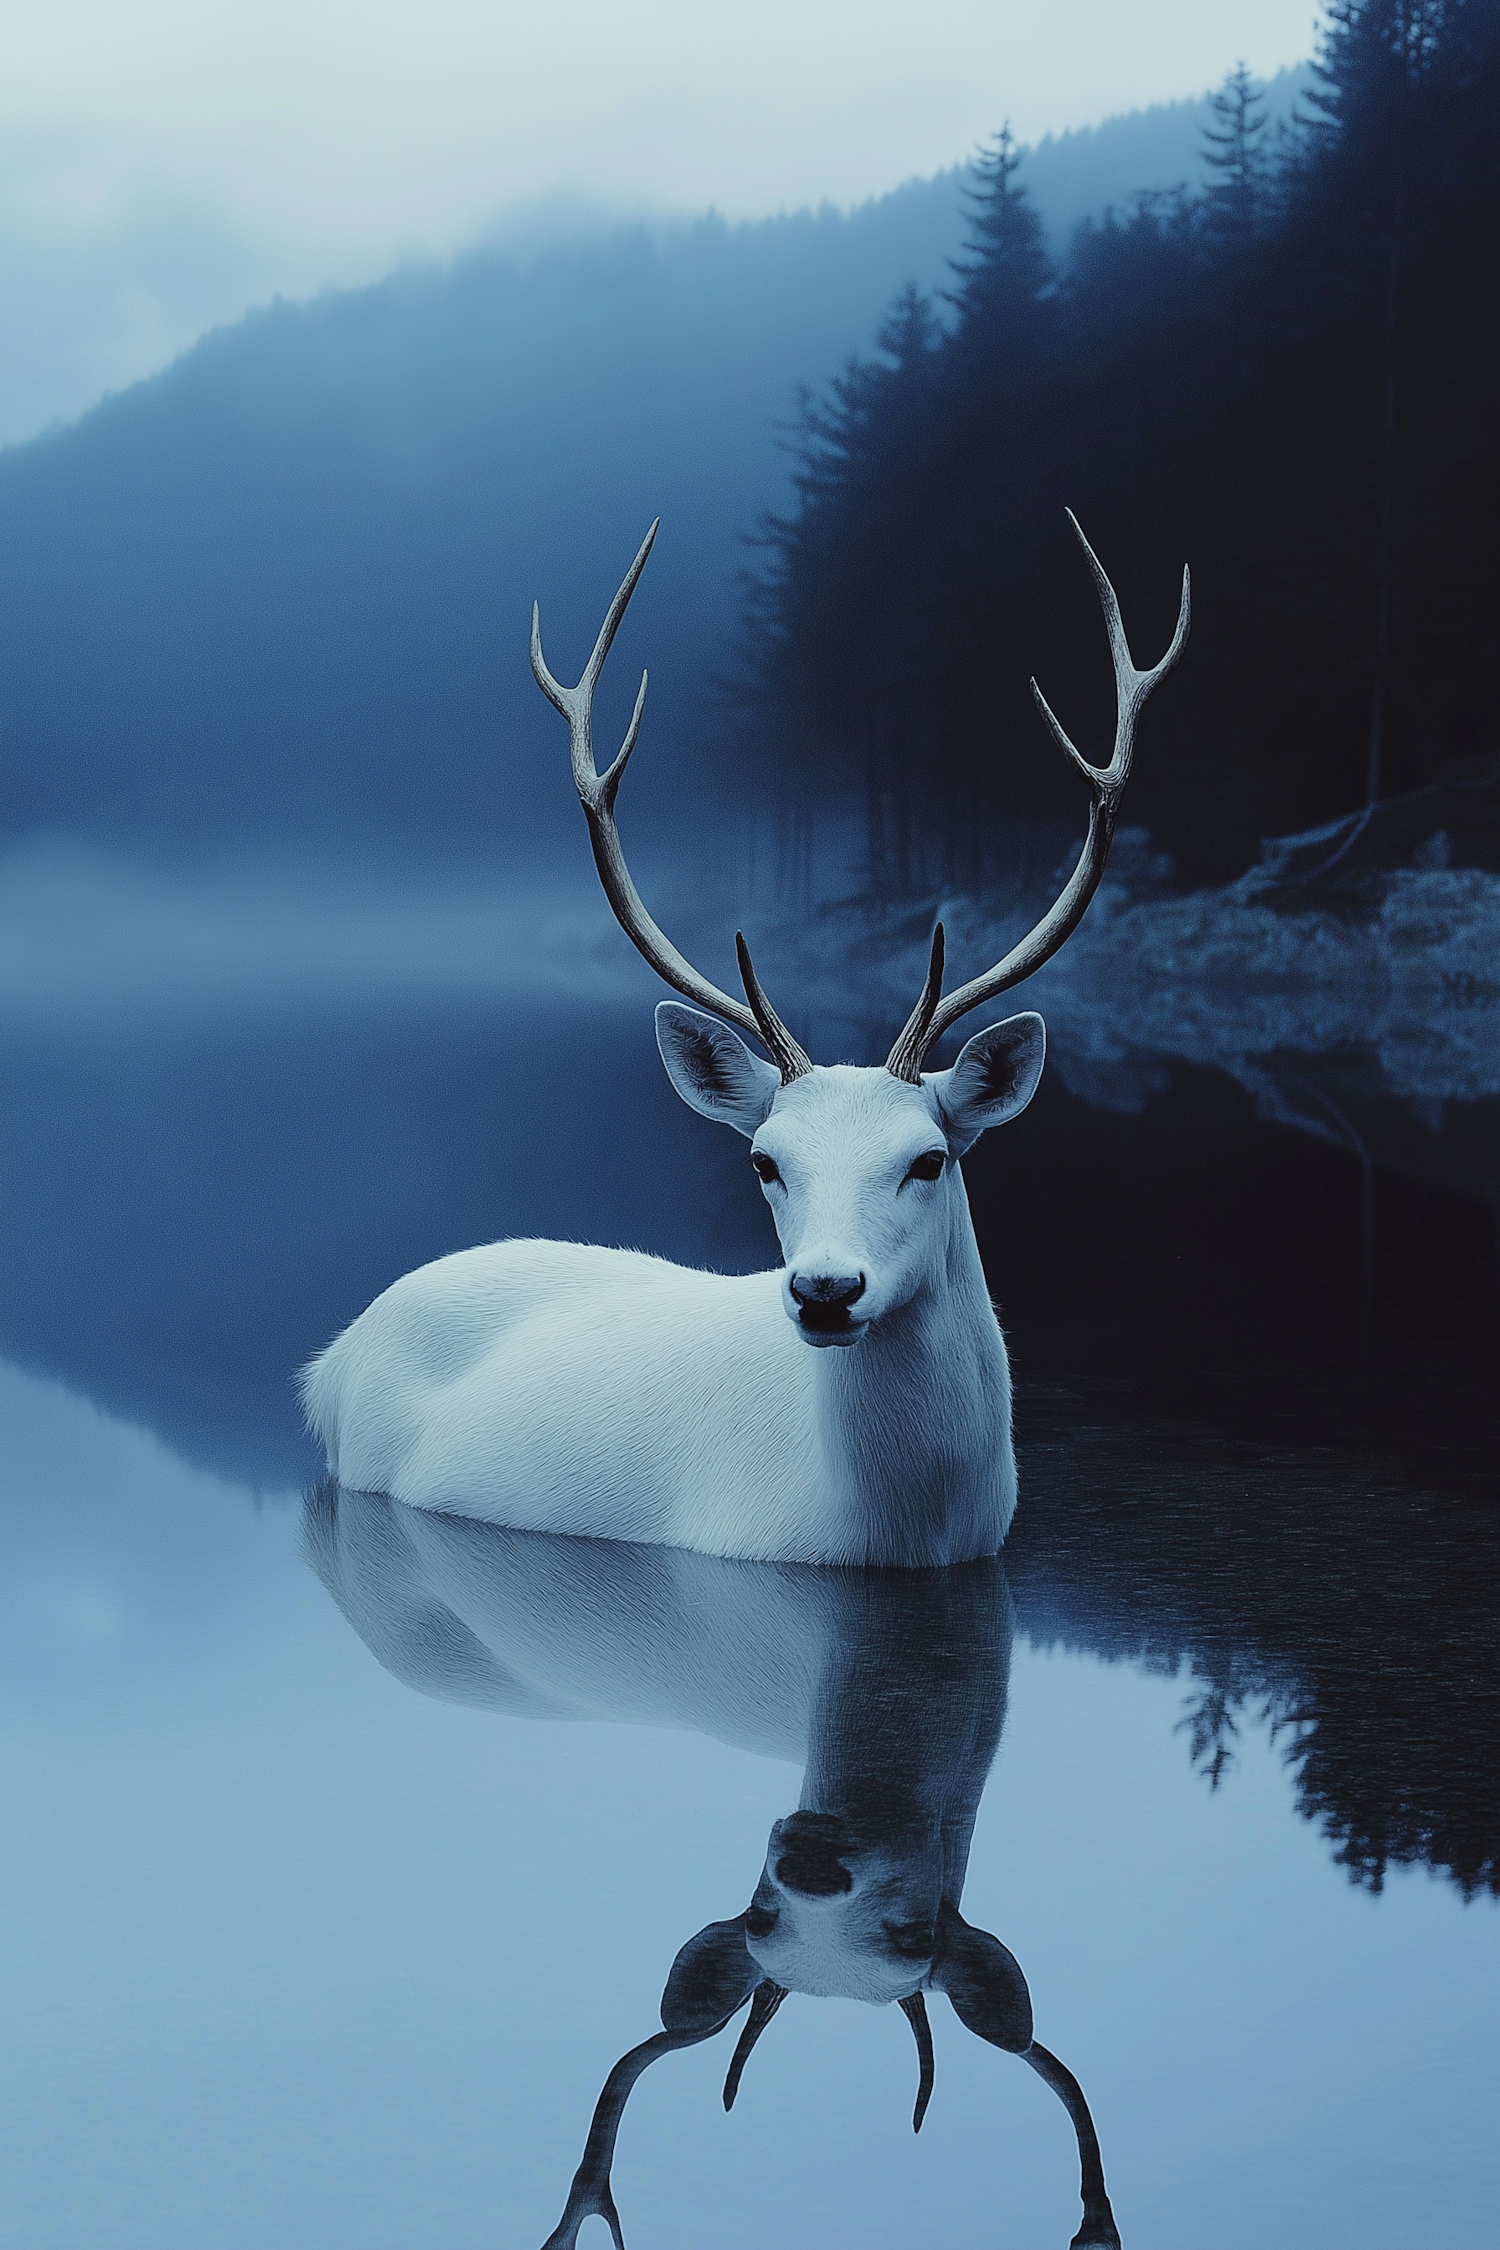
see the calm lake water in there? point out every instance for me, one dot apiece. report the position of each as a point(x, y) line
point(348, 1851)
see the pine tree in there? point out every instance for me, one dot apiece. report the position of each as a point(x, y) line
point(1236, 152)
point(1375, 56)
point(1006, 268)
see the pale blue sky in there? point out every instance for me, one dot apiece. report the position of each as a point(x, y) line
point(164, 164)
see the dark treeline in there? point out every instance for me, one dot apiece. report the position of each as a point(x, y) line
point(1289, 380)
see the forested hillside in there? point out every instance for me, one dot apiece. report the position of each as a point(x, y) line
point(281, 591)
point(1288, 380)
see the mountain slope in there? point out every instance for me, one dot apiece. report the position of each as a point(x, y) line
point(281, 590)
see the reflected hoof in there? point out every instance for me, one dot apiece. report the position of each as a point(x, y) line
point(1097, 2234)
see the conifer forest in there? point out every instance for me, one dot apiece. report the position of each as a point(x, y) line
point(1287, 380)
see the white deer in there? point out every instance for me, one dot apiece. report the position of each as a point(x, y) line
point(887, 1687)
point(853, 1407)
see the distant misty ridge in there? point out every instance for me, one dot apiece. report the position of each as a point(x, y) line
point(280, 593)
point(103, 291)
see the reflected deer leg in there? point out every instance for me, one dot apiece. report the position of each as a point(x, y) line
point(1098, 2231)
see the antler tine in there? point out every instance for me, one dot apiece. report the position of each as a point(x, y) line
point(597, 791)
point(792, 1060)
point(914, 2008)
point(1057, 925)
point(905, 1058)
point(580, 698)
point(1131, 686)
point(767, 1999)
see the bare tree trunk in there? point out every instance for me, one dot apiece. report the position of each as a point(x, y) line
point(1385, 552)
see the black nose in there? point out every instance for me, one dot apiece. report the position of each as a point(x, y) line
point(828, 1288)
point(823, 1299)
point(811, 1866)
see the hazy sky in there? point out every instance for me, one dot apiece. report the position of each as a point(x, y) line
point(163, 163)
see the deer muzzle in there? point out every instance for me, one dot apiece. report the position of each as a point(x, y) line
point(825, 1306)
point(808, 1855)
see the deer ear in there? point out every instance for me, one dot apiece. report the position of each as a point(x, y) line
point(993, 1079)
point(983, 1981)
point(711, 1977)
point(713, 1069)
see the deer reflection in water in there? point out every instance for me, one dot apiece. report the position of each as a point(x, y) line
point(888, 1686)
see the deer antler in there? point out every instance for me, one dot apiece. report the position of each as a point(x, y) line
point(932, 1015)
point(597, 792)
point(914, 2008)
point(590, 2195)
point(764, 2002)
point(1098, 2231)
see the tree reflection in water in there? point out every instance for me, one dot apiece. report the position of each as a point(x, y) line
point(1354, 1611)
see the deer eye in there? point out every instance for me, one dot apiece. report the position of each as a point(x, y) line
point(928, 1166)
point(760, 1921)
point(764, 1168)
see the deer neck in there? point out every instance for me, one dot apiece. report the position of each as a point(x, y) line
point(910, 1706)
point(914, 1420)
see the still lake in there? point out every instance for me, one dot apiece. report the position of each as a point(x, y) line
point(345, 1856)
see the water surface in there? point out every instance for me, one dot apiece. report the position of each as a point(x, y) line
point(326, 1930)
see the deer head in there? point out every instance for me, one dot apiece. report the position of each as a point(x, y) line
point(859, 1166)
point(717, 1972)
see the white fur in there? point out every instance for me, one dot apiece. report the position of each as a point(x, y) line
point(555, 1387)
